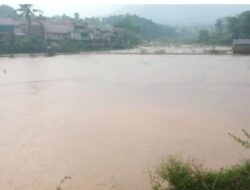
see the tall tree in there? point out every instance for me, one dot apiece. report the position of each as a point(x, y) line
point(27, 11)
point(244, 24)
point(76, 16)
point(219, 25)
point(233, 26)
point(203, 36)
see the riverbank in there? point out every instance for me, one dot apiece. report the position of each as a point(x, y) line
point(147, 50)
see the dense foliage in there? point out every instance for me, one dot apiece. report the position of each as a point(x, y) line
point(176, 174)
point(227, 29)
point(148, 29)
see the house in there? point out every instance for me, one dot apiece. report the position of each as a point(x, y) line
point(19, 27)
point(7, 26)
point(82, 31)
point(59, 34)
point(7, 30)
point(241, 46)
point(55, 31)
point(89, 32)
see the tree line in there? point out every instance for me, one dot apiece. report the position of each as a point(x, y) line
point(226, 29)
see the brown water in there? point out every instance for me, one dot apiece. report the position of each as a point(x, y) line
point(105, 120)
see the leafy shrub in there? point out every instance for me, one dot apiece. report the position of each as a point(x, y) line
point(176, 174)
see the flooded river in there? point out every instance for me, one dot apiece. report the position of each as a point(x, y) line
point(105, 120)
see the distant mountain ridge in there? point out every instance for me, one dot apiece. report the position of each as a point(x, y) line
point(183, 15)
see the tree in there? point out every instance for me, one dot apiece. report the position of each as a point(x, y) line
point(244, 24)
point(239, 25)
point(126, 23)
point(76, 16)
point(146, 28)
point(203, 36)
point(233, 26)
point(219, 25)
point(27, 11)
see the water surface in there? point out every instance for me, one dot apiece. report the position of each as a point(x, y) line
point(105, 120)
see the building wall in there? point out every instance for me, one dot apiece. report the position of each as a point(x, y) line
point(241, 48)
point(56, 36)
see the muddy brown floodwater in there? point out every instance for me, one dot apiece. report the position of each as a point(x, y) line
point(105, 120)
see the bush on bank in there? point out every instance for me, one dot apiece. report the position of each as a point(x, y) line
point(177, 174)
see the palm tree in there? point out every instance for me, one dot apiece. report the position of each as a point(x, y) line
point(76, 16)
point(27, 11)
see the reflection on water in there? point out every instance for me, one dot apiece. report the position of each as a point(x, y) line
point(104, 120)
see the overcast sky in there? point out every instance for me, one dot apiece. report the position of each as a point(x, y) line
point(86, 10)
point(102, 7)
point(166, 14)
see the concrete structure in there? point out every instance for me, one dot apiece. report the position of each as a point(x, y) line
point(241, 46)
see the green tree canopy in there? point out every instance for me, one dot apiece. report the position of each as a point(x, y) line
point(27, 11)
point(146, 28)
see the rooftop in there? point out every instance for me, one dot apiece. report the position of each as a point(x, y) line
point(8, 22)
point(52, 27)
point(241, 41)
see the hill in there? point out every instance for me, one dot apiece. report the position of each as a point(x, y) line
point(183, 15)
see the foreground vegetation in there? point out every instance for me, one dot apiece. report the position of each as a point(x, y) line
point(178, 174)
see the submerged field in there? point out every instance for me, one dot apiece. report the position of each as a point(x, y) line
point(105, 120)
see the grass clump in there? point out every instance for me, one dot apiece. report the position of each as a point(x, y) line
point(177, 174)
